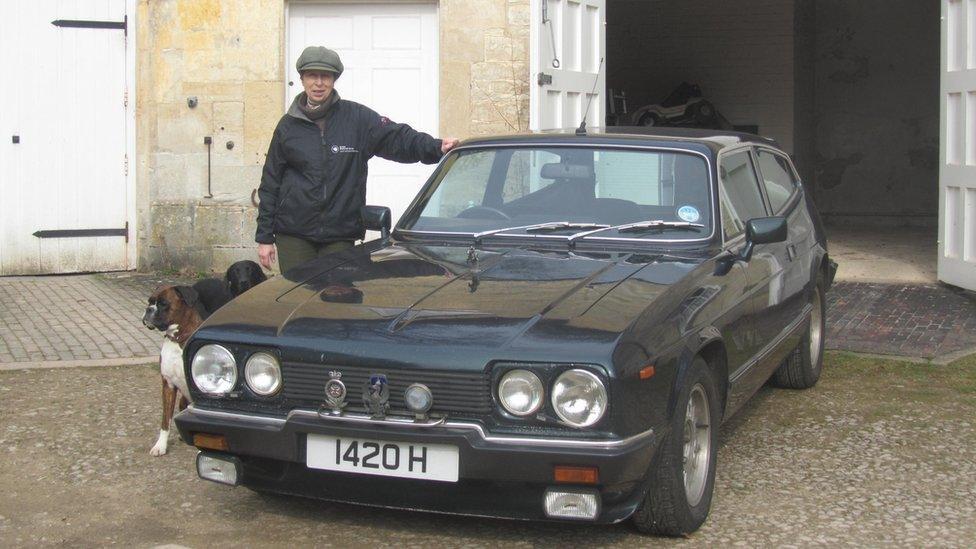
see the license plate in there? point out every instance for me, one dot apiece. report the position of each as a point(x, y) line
point(377, 457)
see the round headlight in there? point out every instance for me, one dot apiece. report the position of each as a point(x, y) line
point(520, 392)
point(418, 398)
point(214, 370)
point(579, 398)
point(262, 373)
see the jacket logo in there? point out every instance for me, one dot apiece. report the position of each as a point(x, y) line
point(336, 149)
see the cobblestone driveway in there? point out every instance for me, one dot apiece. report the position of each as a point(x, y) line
point(878, 453)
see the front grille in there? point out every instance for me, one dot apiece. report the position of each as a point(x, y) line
point(455, 393)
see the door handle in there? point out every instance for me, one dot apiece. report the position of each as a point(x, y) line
point(791, 252)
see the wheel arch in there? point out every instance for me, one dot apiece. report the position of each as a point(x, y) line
point(711, 348)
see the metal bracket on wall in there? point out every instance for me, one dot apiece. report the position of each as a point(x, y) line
point(81, 233)
point(208, 141)
point(86, 24)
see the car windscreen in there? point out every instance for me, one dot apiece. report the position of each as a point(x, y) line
point(479, 190)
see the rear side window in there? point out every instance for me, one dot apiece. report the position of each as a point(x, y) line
point(777, 178)
point(739, 193)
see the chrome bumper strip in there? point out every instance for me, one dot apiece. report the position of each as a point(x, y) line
point(264, 422)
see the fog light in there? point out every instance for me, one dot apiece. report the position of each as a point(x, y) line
point(218, 469)
point(418, 399)
point(582, 505)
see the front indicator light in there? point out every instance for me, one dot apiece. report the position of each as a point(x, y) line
point(579, 398)
point(520, 392)
point(207, 441)
point(580, 505)
point(576, 475)
point(217, 468)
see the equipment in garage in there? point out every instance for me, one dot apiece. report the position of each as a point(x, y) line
point(684, 106)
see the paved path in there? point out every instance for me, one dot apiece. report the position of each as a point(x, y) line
point(921, 321)
point(79, 320)
point(75, 320)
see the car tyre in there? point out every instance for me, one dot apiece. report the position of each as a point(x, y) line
point(801, 370)
point(650, 119)
point(683, 472)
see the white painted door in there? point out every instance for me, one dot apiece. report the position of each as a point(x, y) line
point(63, 92)
point(390, 56)
point(569, 40)
point(957, 169)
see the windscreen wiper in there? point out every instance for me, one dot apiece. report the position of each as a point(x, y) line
point(541, 227)
point(563, 225)
point(641, 226)
point(657, 224)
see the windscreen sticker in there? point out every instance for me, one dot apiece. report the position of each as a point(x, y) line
point(689, 213)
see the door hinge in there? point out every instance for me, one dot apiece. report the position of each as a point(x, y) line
point(125, 98)
point(545, 79)
point(125, 165)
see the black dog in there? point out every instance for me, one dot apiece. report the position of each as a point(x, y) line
point(213, 294)
point(244, 275)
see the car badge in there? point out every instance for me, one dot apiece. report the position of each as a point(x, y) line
point(376, 395)
point(335, 393)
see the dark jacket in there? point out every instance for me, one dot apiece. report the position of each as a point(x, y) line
point(314, 183)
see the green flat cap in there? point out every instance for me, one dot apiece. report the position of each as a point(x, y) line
point(318, 58)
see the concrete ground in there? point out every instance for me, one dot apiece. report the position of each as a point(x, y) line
point(887, 255)
point(879, 453)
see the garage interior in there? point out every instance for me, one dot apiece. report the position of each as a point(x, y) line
point(850, 89)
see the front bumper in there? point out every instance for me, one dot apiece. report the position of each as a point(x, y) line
point(499, 476)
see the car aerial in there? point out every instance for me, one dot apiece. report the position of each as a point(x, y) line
point(554, 330)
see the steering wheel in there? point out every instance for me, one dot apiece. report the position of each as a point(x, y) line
point(483, 212)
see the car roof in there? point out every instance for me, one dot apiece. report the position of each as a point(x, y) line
point(630, 135)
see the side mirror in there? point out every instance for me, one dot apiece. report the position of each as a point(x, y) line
point(763, 230)
point(377, 218)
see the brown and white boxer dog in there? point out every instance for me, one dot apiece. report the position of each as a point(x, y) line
point(177, 312)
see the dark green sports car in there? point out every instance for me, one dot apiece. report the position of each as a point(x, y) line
point(554, 330)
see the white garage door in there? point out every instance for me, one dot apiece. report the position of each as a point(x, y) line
point(63, 180)
point(568, 69)
point(391, 65)
point(957, 169)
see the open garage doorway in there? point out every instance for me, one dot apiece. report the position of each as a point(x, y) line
point(849, 88)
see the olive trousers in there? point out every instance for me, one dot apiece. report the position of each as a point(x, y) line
point(293, 251)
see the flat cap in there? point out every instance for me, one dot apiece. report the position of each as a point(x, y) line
point(318, 58)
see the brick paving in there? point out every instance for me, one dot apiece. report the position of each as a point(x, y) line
point(97, 317)
point(76, 317)
point(910, 320)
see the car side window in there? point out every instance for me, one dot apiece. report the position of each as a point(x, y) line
point(739, 196)
point(777, 178)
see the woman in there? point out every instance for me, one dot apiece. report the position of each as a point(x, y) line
point(314, 181)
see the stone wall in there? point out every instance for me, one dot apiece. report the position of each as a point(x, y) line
point(229, 55)
point(484, 67)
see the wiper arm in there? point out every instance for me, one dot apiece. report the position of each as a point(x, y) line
point(640, 226)
point(482, 234)
point(657, 224)
point(563, 225)
point(540, 227)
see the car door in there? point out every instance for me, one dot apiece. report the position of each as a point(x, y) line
point(789, 262)
point(740, 200)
